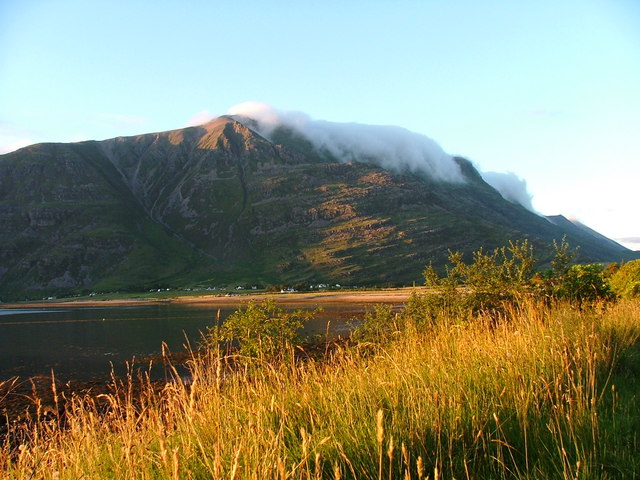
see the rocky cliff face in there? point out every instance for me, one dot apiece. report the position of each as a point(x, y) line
point(220, 203)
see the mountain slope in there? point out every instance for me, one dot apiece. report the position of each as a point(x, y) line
point(69, 222)
point(587, 236)
point(220, 203)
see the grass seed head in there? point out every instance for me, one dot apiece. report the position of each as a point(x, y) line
point(380, 426)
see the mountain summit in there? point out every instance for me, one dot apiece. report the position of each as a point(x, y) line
point(227, 202)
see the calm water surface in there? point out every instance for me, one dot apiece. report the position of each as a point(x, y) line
point(83, 343)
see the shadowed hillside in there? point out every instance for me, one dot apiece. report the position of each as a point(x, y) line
point(222, 204)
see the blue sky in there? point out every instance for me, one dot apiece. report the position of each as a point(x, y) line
point(549, 90)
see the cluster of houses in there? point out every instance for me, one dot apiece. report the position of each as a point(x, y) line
point(318, 286)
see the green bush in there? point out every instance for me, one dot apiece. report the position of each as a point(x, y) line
point(626, 281)
point(584, 285)
point(423, 310)
point(485, 284)
point(580, 285)
point(261, 330)
point(491, 281)
point(379, 325)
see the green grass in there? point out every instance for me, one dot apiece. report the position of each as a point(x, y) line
point(542, 393)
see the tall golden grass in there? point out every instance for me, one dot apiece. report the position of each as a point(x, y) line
point(533, 395)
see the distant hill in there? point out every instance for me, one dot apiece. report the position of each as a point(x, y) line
point(220, 204)
point(587, 236)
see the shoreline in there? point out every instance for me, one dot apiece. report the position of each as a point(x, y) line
point(398, 295)
point(24, 399)
point(17, 393)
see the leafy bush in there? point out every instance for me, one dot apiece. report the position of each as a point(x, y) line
point(580, 285)
point(585, 285)
point(486, 283)
point(506, 276)
point(563, 257)
point(378, 325)
point(423, 310)
point(626, 281)
point(261, 330)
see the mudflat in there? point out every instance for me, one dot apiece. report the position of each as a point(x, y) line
point(349, 297)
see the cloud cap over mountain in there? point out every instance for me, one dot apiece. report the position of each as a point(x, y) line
point(391, 147)
point(511, 187)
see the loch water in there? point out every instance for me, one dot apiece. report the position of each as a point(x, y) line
point(88, 343)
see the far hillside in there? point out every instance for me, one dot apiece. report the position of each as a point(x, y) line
point(221, 204)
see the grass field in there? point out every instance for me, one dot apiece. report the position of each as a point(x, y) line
point(541, 392)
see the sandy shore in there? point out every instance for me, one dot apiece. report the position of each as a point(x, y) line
point(396, 296)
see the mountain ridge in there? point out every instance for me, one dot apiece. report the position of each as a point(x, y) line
point(220, 203)
point(582, 229)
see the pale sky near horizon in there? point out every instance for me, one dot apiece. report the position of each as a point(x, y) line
point(549, 90)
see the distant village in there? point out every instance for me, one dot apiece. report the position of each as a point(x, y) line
point(231, 291)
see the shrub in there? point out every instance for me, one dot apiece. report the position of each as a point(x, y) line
point(261, 330)
point(563, 257)
point(585, 285)
point(423, 310)
point(486, 283)
point(580, 285)
point(379, 325)
point(626, 281)
point(494, 280)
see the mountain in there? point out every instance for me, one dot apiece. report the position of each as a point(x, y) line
point(598, 244)
point(221, 204)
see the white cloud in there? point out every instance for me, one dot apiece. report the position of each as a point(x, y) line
point(511, 187)
point(632, 243)
point(9, 143)
point(14, 137)
point(388, 146)
point(200, 118)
